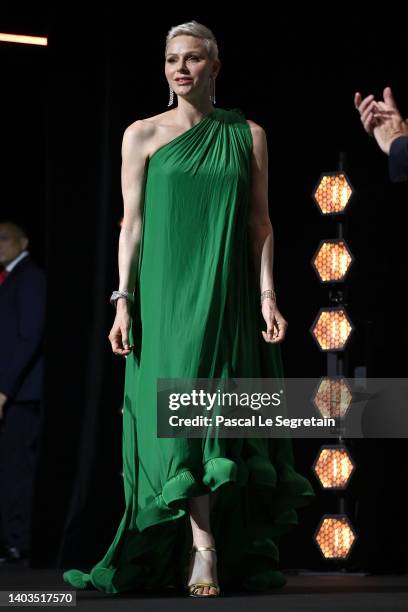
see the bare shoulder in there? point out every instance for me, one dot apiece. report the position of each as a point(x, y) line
point(137, 134)
point(258, 137)
point(143, 129)
point(256, 129)
point(150, 132)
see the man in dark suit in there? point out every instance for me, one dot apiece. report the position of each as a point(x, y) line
point(383, 469)
point(22, 320)
point(382, 120)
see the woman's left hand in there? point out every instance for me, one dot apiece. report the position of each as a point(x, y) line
point(276, 324)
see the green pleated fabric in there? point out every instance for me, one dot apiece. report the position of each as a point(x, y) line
point(197, 315)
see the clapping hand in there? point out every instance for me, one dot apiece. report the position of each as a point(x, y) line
point(381, 118)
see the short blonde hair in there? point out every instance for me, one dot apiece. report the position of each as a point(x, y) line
point(193, 28)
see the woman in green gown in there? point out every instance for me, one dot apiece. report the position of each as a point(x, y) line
point(195, 237)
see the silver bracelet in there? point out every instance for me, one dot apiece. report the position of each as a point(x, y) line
point(118, 294)
point(268, 293)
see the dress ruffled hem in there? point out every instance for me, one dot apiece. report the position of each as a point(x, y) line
point(249, 561)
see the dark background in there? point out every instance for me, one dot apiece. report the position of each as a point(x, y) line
point(64, 110)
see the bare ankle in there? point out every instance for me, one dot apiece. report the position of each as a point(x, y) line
point(204, 541)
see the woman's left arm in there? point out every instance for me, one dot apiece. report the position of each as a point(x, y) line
point(260, 234)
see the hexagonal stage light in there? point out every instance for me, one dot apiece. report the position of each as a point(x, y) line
point(332, 329)
point(333, 467)
point(335, 536)
point(333, 193)
point(332, 397)
point(332, 260)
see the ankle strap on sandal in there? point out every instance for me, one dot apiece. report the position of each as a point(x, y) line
point(204, 548)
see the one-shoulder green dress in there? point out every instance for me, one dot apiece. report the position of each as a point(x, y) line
point(197, 315)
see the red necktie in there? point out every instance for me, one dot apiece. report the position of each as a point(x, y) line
point(3, 274)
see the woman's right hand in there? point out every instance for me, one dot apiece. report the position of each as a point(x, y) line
point(119, 334)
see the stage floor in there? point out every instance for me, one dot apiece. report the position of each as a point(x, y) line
point(304, 591)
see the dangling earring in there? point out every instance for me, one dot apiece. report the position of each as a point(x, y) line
point(212, 98)
point(171, 99)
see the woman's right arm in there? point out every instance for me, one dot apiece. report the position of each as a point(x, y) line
point(134, 155)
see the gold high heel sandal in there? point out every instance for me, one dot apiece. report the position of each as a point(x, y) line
point(192, 587)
